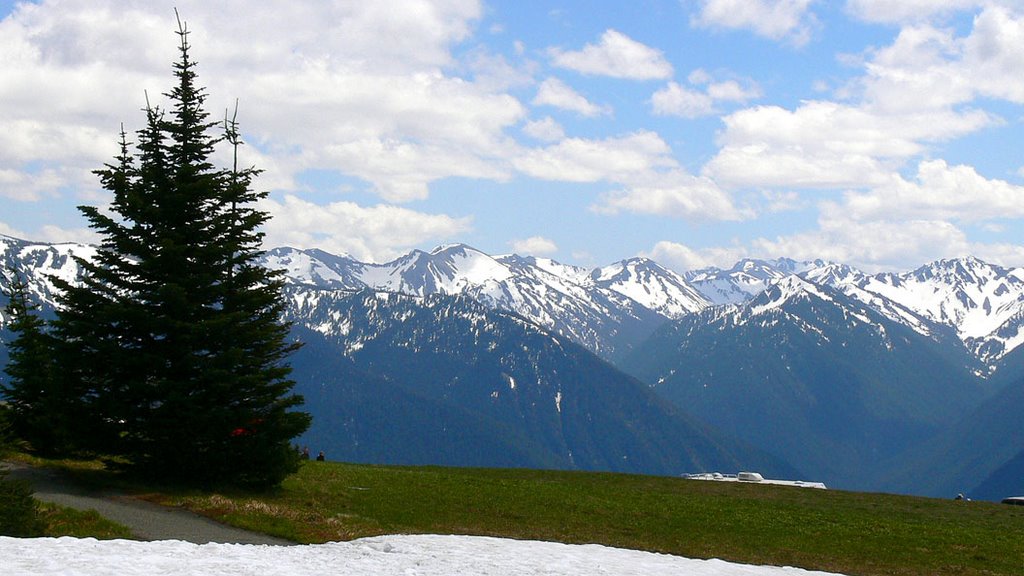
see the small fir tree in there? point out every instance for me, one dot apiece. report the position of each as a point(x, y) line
point(174, 335)
point(38, 411)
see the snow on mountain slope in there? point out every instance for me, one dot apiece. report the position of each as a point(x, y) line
point(651, 285)
point(36, 262)
point(445, 270)
point(983, 302)
point(316, 268)
point(748, 278)
point(611, 309)
point(564, 298)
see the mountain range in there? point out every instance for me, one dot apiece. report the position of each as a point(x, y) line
point(853, 378)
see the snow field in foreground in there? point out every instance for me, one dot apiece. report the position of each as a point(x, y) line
point(380, 556)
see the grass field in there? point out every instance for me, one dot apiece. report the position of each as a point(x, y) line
point(852, 533)
point(61, 521)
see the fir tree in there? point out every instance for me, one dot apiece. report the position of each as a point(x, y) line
point(174, 336)
point(37, 410)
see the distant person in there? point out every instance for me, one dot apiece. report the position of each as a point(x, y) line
point(305, 452)
point(320, 456)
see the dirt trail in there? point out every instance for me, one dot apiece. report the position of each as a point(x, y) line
point(147, 521)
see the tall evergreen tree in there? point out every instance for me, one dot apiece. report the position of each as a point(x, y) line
point(37, 411)
point(174, 337)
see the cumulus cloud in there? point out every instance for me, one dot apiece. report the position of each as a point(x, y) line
point(939, 192)
point(534, 246)
point(375, 234)
point(646, 177)
point(905, 222)
point(875, 246)
point(554, 92)
point(928, 67)
point(702, 97)
point(585, 160)
point(907, 11)
point(617, 56)
point(58, 234)
point(26, 187)
point(359, 87)
point(682, 258)
point(546, 129)
point(675, 193)
point(914, 94)
point(774, 19)
point(826, 144)
point(676, 100)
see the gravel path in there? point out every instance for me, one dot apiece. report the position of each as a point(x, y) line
point(147, 521)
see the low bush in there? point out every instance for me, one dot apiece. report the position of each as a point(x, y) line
point(19, 511)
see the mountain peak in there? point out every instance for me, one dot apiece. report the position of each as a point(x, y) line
point(786, 290)
point(454, 248)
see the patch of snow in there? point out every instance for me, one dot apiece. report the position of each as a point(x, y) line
point(424, 555)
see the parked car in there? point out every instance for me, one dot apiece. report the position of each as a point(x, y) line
point(1016, 500)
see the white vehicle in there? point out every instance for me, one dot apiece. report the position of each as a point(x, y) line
point(752, 477)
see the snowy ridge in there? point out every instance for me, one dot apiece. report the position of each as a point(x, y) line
point(613, 308)
point(982, 302)
point(37, 262)
point(784, 291)
point(651, 285)
point(568, 299)
point(748, 278)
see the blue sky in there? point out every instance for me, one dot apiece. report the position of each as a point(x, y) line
point(879, 133)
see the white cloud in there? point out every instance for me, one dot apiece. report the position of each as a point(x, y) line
point(554, 92)
point(534, 246)
point(675, 194)
point(648, 180)
point(733, 91)
point(929, 68)
point(828, 145)
point(939, 192)
point(903, 223)
point(915, 93)
point(888, 11)
point(582, 160)
point(871, 246)
point(678, 100)
point(357, 87)
point(56, 235)
point(682, 258)
point(378, 233)
point(1002, 254)
point(546, 129)
point(618, 56)
point(774, 19)
point(22, 186)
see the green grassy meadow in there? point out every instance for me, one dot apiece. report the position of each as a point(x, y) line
point(851, 533)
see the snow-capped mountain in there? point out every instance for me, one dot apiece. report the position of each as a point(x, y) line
point(813, 375)
point(611, 309)
point(748, 278)
point(443, 379)
point(596, 309)
point(36, 263)
point(652, 285)
point(832, 369)
point(983, 302)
